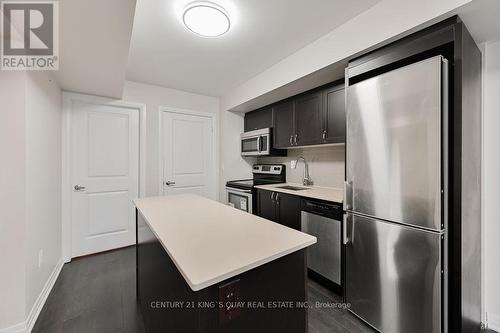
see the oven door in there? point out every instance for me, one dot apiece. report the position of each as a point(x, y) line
point(239, 199)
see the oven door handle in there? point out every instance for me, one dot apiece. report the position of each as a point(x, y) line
point(232, 189)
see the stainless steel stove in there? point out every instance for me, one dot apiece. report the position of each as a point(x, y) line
point(241, 193)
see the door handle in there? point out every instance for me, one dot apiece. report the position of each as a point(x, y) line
point(347, 195)
point(79, 188)
point(345, 239)
point(169, 183)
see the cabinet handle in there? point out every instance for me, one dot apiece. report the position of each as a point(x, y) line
point(277, 201)
point(324, 135)
point(295, 139)
point(291, 140)
point(272, 196)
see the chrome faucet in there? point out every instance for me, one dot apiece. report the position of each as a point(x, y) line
point(306, 180)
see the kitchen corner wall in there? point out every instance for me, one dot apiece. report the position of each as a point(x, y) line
point(232, 165)
point(326, 165)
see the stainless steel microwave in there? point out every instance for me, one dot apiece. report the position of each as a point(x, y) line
point(256, 143)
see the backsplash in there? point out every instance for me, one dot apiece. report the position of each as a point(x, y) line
point(326, 165)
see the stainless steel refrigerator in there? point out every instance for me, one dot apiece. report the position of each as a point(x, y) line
point(395, 198)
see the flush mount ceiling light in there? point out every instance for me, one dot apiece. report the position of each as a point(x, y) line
point(206, 19)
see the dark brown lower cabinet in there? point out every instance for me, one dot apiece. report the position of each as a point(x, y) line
point(266, 207)
point(279, 207)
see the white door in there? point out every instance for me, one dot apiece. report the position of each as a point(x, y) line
point(188, 155)
point(105, 165)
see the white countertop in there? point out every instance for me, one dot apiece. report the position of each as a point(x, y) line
point(210, 242)
point(316, 192)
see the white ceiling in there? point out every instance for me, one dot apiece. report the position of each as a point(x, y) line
point(94, 40)
point(163, 52)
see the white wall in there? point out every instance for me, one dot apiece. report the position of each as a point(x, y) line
point(43, 181)
point(232, 165)
point(154, 97)
point(30, 191)
point(384, 21)
point(12, 195)
point(491, 183)
point(326, 165)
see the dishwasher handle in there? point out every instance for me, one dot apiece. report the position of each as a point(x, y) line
point(329, 210)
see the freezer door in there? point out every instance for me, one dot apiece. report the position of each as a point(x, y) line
point(394, 145)
point(393, 275)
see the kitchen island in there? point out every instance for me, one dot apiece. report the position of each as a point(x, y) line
point(203, 266)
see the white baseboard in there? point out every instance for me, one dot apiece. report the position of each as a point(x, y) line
point(27, 325)
point(493, 321)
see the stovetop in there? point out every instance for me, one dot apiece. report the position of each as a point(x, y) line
point(248, 184)
point(263, 174)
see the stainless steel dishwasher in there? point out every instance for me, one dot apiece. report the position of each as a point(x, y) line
point(323, 220)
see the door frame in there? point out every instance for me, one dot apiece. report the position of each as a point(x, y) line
point(66, 206)
point(215, 144)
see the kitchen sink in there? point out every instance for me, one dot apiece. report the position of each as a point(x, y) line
point(292, 188)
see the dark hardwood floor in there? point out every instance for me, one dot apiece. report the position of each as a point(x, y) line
point(94, 294)
point(325, 319)
point(97, 294)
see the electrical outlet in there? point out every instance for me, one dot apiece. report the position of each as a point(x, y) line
point(293, 164)
point(229, 298)
point(40, 258)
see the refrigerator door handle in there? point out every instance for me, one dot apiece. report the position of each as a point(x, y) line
point(347, 196)
point(345, 239)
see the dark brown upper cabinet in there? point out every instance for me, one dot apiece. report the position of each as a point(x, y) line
point(283, 127)
point(334, 123)
point(309, 116)
point(258, 119)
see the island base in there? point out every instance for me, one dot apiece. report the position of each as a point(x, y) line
point(268, 298)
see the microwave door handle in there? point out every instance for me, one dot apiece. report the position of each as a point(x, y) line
point(259, 148)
